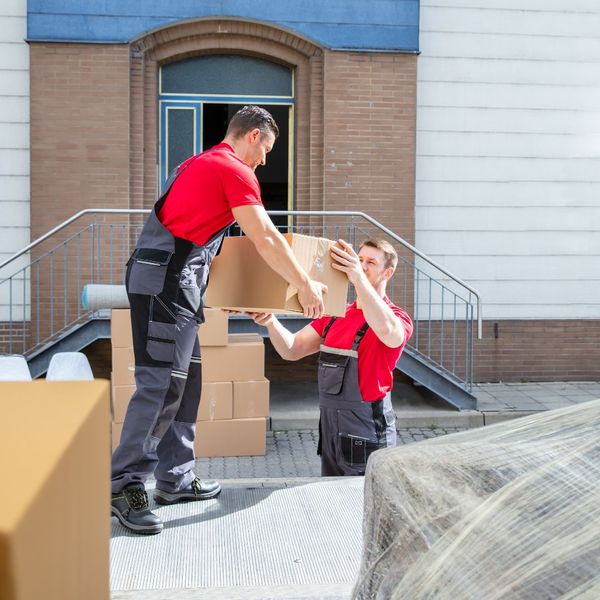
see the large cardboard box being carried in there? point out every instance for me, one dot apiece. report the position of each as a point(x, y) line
point(241, 280)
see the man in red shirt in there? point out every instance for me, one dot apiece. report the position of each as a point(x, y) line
point(358, 354)
point(166, 279)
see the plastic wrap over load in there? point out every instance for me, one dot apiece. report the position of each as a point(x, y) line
point(508, 511)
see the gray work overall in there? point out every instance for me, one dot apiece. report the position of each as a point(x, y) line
point(166, 280)
point(350, 430)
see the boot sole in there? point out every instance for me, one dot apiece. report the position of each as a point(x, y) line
point(167, 498)
point(136, 528)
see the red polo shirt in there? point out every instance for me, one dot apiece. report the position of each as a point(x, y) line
point(376, 361)
point(200, 201)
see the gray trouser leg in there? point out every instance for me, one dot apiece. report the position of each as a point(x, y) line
point(175, 469)
point(154, 405)
point(329, 447)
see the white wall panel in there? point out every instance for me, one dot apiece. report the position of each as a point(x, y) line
point(498, 17)
point(14, 109)
point(495, 169)
point(585, 7)
point(515, 120)
point(463, 194)
point(15, 214)
point(14, 56)
point(13, 28)
point(15, 188)
point(514, 243)
point(14, 136)
point(517, 219)
point(508, 151)
point(462, 44)
point(512, 71)
point(435, 143)
point(502, 95)
point(14, 162)
point(520, 268)
point(14, 83)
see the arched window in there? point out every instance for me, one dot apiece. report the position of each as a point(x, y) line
point(198, 96)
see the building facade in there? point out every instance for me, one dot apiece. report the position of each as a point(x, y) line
point(471, 131)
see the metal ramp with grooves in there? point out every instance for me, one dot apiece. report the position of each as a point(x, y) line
point(258, 540)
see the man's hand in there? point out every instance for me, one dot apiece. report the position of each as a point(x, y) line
point(264, 319)
point(310, 297)
point(346, 260)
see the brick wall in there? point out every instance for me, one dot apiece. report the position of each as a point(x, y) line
point(548, 350)
point(369, 137)
point(79, 130)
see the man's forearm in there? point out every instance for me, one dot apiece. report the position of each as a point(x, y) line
point(276, 252)
point(282, 339)
point(379, 315)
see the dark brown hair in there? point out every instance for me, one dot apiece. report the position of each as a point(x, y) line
point(252, 117)
point(390, 254)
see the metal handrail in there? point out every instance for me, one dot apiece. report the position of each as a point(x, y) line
point(307, 213)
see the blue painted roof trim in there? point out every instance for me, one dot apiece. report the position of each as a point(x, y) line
point(379, 25)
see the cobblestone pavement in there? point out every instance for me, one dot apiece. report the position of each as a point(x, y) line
point(293, 453)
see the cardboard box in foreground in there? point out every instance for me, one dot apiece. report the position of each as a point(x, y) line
point(55, 469)
point(241, 280)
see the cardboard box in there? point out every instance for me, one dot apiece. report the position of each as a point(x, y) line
point(123, 366)
point(115, 434)
point(120, 397)
point(250, 399)
point(120, 328)
point(235, 437)
point(241, 360)
point(214, 330)
point(54, 521)
point(216, 401)
point(241, 280)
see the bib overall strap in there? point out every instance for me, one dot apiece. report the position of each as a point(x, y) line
point(327, 328)
point(359, 336)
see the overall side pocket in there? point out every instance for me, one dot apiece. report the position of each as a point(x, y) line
point(161, 341)
point(148, 271)
point(332, 368)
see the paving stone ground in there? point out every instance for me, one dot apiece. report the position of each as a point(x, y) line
point(293, 453)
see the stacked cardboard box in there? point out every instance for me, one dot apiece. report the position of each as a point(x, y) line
point(235, 394)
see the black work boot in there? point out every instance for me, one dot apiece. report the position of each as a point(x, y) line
point(197, 490)
point(130, 506)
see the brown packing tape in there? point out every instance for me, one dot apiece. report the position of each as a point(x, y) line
point(216, 401)
point(120, 397)
point(123, 366)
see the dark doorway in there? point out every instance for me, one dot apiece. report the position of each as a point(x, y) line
point(274, 176)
